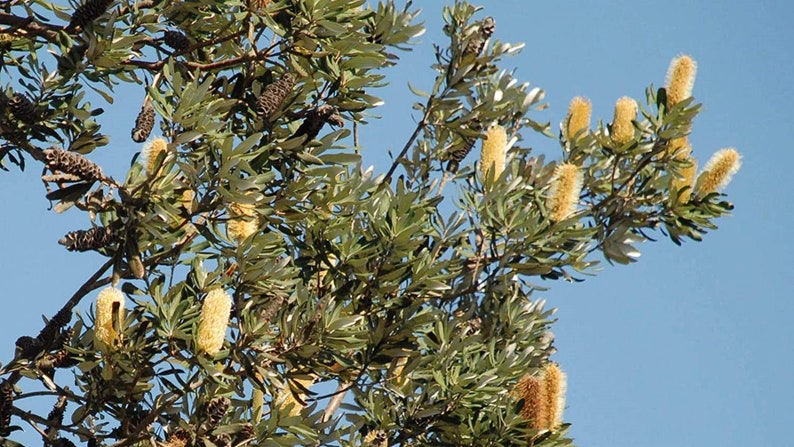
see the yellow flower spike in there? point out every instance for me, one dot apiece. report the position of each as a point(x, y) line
point(566, 185)
point(494, 151)
point(243, 221)
point(286, 397)
point(686, 178)
point(680, 79)
point(718, 171)
point(109, 316)
point(151, 151)
point(555, 384)
point(622, 127)
point(578, 118)
point(679, 147)
point(214, 320)
point(530, 389)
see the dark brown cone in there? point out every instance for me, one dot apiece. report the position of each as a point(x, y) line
point(29, 347)
point(144, 124)
point(55, 418)
point(222, 440)
point(271, 308)
point(274, 95)
point(88, 12)
point(58, 359)
point(62, 442)
point(53, 328)
point(246, 433)
point(457, 155)
point(176, 40)
point(216, 409)
point(316, 119)
point(475, 46)
point(72, 163)
point(6, 402)
point(84, 240)
point(22, 109)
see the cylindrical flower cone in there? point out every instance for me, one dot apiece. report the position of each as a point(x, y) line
point(494, 151)
point(242, 222)
point(680, 79)
point(718, 171)
point(566, 185)
point(151, 151)
point(578, 119)
point(622, 127)
point(531, 391)
point(555, 384)
point(214, 320)
point(109, 317)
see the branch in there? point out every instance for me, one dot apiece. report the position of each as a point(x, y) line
point(419, 127)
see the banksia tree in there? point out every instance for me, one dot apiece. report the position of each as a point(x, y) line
point(280, 292)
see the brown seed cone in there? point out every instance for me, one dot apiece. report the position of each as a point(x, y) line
point(271, 308)
point(22, 109)
point(29, 347)
point(176, 40)
point(458, 154)
point(144, 123)
point(55, 418)
point(58, 159)
point(216, 409)
point(246, 433)
point(88, 12)
point(62, 442)
point(316, 119)
point(475, 46)
point(273, 96)
point(6, 403)
point(84, 240)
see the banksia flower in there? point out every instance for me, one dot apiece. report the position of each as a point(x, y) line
point(179, 438)
point(273, 96)
point(316, 119)
point(622, 127)
point(176, 40)
point(88, 12)
point(84, 240)
point(286, 397)
point(109, 316)
point(679, 147)
point(151, 151)
point(144, 123)
point(459, 153)
point(531, 391)
point(243, 221)
point(73, 163)
point(376, 438)
point(494, 151)
point(214, 320)
point(680, 79)
point(555, 384)
point(718, 171)
point(22, 109)
point(216, 410)
point(685, 179)
point(566, 184)
point(578, 119)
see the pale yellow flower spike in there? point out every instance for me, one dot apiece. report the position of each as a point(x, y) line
point(555, 384)
point(578, 118)
point(625, 113)
point(494, 151)
point(680, 79)
point(242, 222)
point(151, 151)
point(531, 390)
point(286, 398)
point(109, 316)
point(686, 178)
point(679, 147)
point(718, 171)
point(566, 185)
point(214, 320)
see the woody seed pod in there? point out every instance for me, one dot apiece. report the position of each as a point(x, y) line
point(88, 12)
point(6, 405)
point(22, 109)
point(273, 96)
point(176, 40)
point(84, 240)
point(144, 123)
point(376, 438)
point(316, 119)
point(73, 163)
point(216, 409)
point(458, 154)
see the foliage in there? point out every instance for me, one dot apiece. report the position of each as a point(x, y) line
point(366, 308)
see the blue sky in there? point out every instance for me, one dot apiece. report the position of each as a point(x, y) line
point(692, 345)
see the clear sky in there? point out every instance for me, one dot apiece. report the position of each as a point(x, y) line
point(691, 346)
